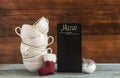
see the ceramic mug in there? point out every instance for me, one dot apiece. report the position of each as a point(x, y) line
point(39, 41)
point(29, 52)
point(42, 25)
point(26, 31)
point(49, 57)
point(33, 37)
point(33, 64)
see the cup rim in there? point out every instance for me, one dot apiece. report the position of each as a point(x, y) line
point(31, 28)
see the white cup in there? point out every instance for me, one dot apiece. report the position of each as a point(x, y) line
point(33, 57)
point(26, 31)
point(33, 66)
point(35, 63)
point(33, 37)
point(29, 52)
point(42, 24)
point(39, 41)
point(49, 57)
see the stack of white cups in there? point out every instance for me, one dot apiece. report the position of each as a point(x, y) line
point(34, 43)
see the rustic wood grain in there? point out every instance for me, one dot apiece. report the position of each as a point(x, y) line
point(9, 50)
point(100, 21)
point(101, 48)
point(104, 48)
point(38, 4)
point(28, 4)
point(92, 20)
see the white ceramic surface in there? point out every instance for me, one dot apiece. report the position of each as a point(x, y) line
point(26, 31)
point(42, 24)
point(33, 66)
point(49, 57)
point(34, 43)
point(33, 37)
point(29, 52)
point(33, 57)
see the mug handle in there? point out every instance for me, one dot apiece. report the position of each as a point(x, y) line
point(49, 50)
point(52, 40)
point(16, 31)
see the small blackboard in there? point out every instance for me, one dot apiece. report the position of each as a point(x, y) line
point(69, 47)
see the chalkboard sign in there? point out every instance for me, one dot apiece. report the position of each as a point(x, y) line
point(69, 47)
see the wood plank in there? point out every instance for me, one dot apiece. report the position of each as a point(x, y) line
point(100, 20)
point(28, 4)
point(102, 48)
point(9, 50)
point(96, 29)
point(102, 29)
point(56, 12)
point(95, 4)
point(32, 15)
point(38, 4)
point(95, 19)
